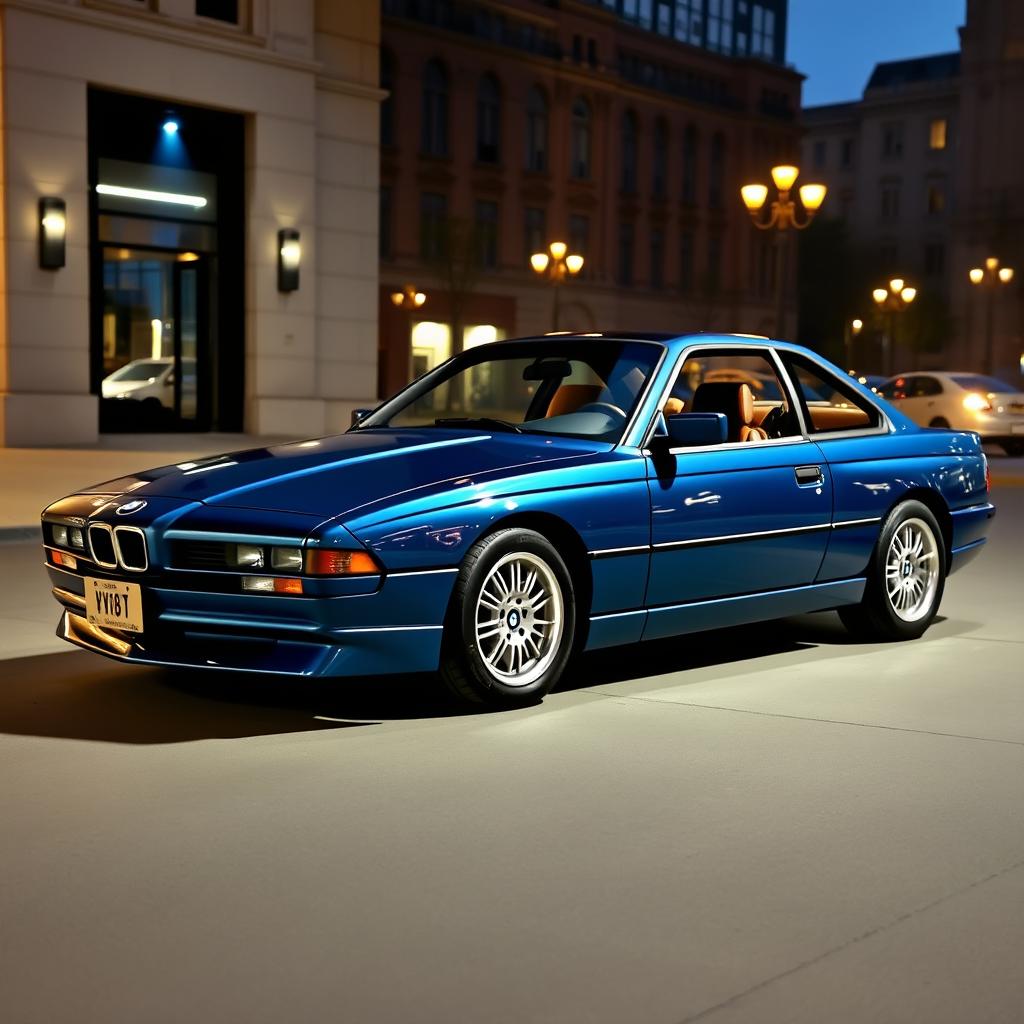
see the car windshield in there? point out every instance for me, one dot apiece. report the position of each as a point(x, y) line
point(574, 388)
point(978, 382)
point(144, 370)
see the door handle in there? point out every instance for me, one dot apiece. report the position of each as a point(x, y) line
point(807, 475)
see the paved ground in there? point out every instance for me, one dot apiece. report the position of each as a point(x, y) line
point(771, 824)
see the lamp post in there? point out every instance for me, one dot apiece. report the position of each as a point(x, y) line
point(781, 216)
point(989, 279)
point(409, 298)
point(555, 266)
point(852, 332)
point(892, 300)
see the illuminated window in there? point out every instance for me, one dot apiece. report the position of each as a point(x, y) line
point(937, 133)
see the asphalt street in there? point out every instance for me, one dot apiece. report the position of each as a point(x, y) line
point(768, 824)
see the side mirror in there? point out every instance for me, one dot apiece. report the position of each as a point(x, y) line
point(358, 415)
point(693, 429)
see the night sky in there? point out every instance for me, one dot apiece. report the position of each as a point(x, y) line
point(836, 43)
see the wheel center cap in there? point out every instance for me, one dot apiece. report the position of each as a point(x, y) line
point(513, 619)
point(907, 568)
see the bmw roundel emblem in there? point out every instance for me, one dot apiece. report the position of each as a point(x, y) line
point(130, 506)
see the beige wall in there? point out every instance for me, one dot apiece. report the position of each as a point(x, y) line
point(311, 163)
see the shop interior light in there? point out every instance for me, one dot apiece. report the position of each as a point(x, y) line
point(53, 230)
point(150, 195)
point(289, 257)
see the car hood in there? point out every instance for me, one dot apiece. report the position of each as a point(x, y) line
point(334, 476)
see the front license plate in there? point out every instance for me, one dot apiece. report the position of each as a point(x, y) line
point(114, 604)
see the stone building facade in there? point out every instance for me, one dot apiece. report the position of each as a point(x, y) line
point(177, 139)
point(518, 123)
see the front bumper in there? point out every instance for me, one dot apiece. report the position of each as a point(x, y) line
point(395, 629)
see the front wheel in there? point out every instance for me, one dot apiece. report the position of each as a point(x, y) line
point(906, 578)
point(512, 623)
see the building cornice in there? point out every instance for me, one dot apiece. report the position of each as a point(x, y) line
point(150, 25)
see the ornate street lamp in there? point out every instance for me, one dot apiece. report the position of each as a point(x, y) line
point(782, 214)
point(408, 297)
point(555, 266)
point(891, 301)
point(989, 279)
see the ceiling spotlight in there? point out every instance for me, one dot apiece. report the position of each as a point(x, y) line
point(170, 126)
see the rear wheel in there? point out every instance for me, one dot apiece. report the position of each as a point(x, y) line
point(906, 578)
point(512, 623)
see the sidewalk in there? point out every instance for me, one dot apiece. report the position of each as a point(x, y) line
point(30, 478)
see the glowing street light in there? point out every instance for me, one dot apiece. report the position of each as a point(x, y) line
point(555, 266)
point(989, 280)
point(782, 215)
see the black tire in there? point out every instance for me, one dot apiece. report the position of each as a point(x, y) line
point(940, 421)
point(877, 617)
point(1015, 449)
point(465, 668)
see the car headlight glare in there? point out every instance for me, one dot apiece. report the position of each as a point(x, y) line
point(249, 556)
point(975, 402)
point(60, 536)
point(289, 559)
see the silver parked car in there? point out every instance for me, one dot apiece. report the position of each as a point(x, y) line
point(963, 401)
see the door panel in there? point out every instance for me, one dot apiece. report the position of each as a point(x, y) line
point(737, 521)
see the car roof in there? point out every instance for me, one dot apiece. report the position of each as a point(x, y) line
point(671, 340)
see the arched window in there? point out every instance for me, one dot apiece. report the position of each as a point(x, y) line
point(387, 106)
point(716, 172)
point(488, 120)
point(659, 169)
point(630, 137)
point(536, 130)
point(434, 134)
point(690, 144)
point(581, 141)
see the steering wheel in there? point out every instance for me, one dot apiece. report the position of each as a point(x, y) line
point(606, 407)
point(777, 420)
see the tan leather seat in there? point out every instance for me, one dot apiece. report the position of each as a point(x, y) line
point(736, 402)
point(570, 397)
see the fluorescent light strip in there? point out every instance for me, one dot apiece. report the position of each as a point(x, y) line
point(152, 196)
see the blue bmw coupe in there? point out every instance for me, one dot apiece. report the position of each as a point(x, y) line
point(526, 500)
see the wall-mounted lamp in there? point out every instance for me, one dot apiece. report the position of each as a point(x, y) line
point(53, 231)
point(289, 256)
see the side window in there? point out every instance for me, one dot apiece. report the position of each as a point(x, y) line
point(743, 385)
point(896, 389)
point(928, 386)
point(829, 401)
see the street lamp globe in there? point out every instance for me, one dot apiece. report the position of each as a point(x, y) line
point(574, 263)
point(539, 262)
point(976, 274)
point(754, 196)
point(908, 295)
point(784, 175)
point(557, 250)
point(1006, 274)
point(812, 196)
point(879, 295)
point(896, 285)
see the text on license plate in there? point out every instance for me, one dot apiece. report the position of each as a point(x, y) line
point(114, 604)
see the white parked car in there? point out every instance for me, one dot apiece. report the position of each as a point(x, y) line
point(963, 401)
point(152, 380)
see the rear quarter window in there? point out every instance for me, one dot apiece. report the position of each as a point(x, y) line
point(830, 403)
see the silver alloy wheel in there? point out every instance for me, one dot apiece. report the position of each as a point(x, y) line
point(519, 619)
point(912, 570)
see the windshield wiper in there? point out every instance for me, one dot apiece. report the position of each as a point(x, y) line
point(481, 421)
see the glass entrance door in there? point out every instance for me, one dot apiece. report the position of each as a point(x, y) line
point(154, 340)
